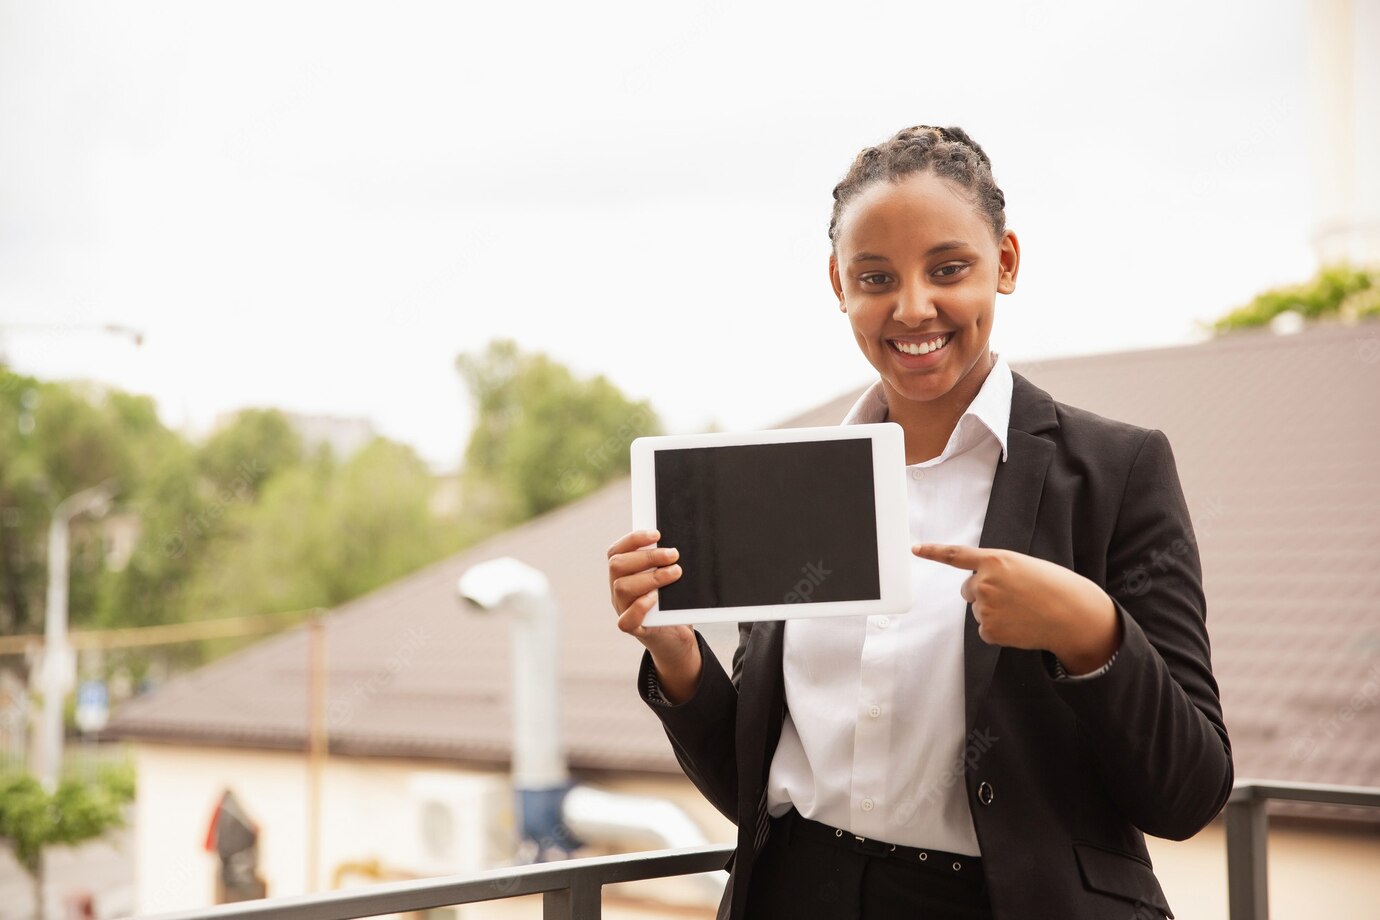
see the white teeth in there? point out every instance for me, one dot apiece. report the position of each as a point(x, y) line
point(913, 349)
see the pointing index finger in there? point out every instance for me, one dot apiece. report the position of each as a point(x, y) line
point(961, 557)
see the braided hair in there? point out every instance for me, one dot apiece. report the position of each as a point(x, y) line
point(947, 152)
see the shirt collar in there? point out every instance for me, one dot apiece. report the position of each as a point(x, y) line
point(988, 414)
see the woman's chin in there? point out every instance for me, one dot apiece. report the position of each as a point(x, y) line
point(921, 388)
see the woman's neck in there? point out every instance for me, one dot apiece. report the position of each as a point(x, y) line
point(929, 424)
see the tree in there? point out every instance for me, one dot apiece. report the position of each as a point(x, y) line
point(32, 819)
point(1336, 290)
point(254, 446)
point(541, 436)
point(59, 437)
point(321, 533)
point(56, 439)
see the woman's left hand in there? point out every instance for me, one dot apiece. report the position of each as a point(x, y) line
point(1025, 602)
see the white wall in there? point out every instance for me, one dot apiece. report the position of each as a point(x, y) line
point(1313, 872)
point(365, 816)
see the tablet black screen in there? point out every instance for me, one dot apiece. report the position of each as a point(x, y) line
point(769, 523)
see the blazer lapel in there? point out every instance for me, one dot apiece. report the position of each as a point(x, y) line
point(1010, 523)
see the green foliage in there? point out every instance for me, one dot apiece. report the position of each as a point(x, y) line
point(55, 439)
point(240, 457)
point(1337, 290)
point(542, 437)
point(77, 811)
point(321, 534)
point(178, 524)
point(245, 523)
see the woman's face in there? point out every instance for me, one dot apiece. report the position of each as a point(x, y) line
point(915, 265)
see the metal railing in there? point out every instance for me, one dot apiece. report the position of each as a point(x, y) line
point(573, 889)
point(1247, 827)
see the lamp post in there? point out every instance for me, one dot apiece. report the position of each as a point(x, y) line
point(58, 670)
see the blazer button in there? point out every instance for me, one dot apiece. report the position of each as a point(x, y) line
point(985, 792)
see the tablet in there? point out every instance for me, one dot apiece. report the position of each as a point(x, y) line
point(791, 522)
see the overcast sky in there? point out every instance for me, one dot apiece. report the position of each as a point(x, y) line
point(317, 205)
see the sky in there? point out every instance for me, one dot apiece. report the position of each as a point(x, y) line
point(319, 205)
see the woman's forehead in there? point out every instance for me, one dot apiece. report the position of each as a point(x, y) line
point(916, 210)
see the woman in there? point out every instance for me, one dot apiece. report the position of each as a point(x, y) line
point(1001, 749)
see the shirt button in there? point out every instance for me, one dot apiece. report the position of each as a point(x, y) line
point(883, 622)
point(985, 792)
point(867, 804)
point(917, 474)
point(874, 711)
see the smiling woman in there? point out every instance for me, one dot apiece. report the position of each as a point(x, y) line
point(1001, 750)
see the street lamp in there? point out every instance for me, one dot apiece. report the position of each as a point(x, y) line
point(58, 671)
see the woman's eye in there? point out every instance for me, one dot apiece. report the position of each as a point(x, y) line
point(874, 278)
point(949, 271)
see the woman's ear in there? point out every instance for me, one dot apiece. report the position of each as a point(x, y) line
point(836, 281)
point(1009, 259)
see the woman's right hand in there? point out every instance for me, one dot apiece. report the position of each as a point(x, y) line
point(636, 570)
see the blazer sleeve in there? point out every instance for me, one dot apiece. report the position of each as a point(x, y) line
point(702, 729)
point(1155, 717)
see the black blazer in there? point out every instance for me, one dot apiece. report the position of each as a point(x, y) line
point(1063, 778)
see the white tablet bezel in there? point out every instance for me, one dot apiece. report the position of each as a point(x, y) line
point(891, 512)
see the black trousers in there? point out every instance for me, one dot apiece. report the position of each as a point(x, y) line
point(820, 876)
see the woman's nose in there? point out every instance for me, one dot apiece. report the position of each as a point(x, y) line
point(914, 305)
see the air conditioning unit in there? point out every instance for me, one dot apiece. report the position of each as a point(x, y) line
point(460, 823)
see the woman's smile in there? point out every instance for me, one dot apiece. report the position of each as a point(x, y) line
point(920, 351)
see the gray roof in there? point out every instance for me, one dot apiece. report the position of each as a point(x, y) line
point(1276, 440)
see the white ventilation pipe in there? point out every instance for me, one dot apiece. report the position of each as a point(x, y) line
point(609, 819)
point(639, 822)
point(509, 586)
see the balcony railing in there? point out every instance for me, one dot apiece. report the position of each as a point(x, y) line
point(570, 890)
point(573, 889)
point(1248, 895)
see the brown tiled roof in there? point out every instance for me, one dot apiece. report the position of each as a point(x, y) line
point(1276, 440)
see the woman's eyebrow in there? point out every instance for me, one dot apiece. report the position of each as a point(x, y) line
point(933, 250)
point(867, 257)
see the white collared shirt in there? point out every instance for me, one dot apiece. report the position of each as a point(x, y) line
point(873, 739)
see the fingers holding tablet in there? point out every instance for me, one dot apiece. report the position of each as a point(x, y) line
point(636, 568)
point(636, 571)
